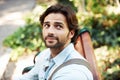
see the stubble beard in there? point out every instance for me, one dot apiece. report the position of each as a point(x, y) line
point(58, 44)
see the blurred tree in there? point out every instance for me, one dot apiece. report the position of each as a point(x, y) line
point(101, 17)
point(68, 2)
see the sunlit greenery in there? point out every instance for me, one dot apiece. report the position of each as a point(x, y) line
point(26, 39)
point(101, 17)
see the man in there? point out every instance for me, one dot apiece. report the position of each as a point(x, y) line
point(59, 29)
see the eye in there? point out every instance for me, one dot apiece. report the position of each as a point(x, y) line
point(46, 25)
point(58, 27)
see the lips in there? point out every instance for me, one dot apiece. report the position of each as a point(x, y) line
point(50, 38)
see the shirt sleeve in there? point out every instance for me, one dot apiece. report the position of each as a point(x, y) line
point(73, 72)
point(31, 75)
point(37, 69)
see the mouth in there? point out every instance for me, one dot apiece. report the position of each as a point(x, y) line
point(50, 39)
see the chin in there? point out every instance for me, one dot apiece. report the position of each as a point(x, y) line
point(50, 46)
point(54, 45)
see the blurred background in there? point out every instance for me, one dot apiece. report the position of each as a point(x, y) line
point(20, 33)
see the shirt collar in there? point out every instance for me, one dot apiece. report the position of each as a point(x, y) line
point(63, 55)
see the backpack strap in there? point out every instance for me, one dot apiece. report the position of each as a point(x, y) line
point(71, 61)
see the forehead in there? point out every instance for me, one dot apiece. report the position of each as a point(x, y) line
point(57, 17)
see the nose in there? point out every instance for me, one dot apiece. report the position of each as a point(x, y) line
point(51, 30)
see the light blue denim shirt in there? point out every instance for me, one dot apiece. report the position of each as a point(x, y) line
point(70, 72)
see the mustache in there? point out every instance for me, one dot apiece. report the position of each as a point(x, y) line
point(51, 36)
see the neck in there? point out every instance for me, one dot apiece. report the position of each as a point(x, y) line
point(56, 51)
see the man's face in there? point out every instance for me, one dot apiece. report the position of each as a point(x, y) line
point(55, 31)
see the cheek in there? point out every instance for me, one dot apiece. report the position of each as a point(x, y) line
point(43, 33)
point(62, 34)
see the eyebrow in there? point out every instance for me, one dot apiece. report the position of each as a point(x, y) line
point(47, 22)
point(60, 23)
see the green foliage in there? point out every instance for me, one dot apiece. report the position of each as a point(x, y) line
point(25, 40)
point(114, 72)
point(109, 62)
point(105, 30)
point(113, 76)
point(27, 37)
point(96, 6)
point(68, 2)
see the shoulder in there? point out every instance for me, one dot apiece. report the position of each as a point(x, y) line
point(73, 72)
point(43, 55)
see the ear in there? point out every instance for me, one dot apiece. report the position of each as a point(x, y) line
point(72, 32)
